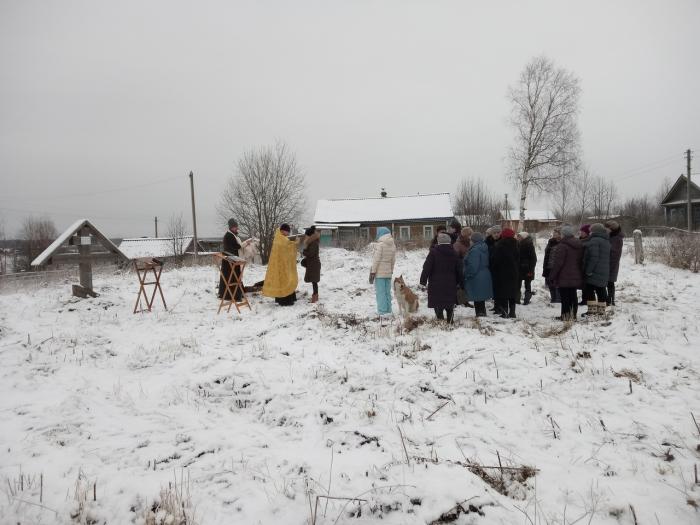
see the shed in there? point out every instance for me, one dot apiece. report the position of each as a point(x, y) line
point(409, 218)
point(82, 243)
point(158, 247)
point(675, 204)
point(535, 220)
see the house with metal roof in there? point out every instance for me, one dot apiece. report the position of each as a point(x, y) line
point(411, 218)
point(675, 204)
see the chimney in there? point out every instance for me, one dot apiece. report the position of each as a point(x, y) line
point(383, 193)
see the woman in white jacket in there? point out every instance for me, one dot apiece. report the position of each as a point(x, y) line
point(382, 269)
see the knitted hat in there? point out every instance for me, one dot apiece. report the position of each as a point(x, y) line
point(232, 223)
point(285, 228)
point(495, 229)
point(567, 231)
point(310, 231)
point(507, 233)
point(586, 228)
point(613, 225)
point(477, 237)
point(443, 238)
point(381, 231)
point(598, 228)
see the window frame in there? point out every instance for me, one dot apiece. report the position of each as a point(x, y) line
point(401, 230)
point(432, 232)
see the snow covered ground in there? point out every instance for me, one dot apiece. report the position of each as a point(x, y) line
point(252, 418)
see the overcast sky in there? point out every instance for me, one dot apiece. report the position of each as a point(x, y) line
point(105, 107)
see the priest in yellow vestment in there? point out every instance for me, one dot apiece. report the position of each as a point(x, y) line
point(281, 278)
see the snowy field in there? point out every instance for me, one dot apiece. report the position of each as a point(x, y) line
point(255, 418)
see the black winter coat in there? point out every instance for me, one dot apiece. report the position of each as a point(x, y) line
point(596, 260)
point(442, 271)
point(313, 261)
point(231, 245)
point(616, 241)
point(505, 269)
point(548, 256)
point(527, 258)
point(567, 264)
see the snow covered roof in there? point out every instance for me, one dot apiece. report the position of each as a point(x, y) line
point(530, 215)
point(430, 206)
point(152, 246)
point(44, 256)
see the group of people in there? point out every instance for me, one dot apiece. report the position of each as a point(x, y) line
point(463, 267)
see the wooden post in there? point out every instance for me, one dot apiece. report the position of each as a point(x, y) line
point(638, 247)
point(85, 264)
point(194, 216)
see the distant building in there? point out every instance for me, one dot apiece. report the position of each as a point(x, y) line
point(675, 204)
point(535, 220)
point(158, 247)
point(411, 218)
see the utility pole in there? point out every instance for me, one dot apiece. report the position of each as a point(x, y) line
point(156, 218)
point(690, 202)
point(194, 215)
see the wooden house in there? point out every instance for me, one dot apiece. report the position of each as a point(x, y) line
point(411, 219)
point(535, 220)
point(675, 204)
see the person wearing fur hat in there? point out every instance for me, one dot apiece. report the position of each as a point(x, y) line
point(616, 241)
point(567, 272)
point(477, 276)
point(311, 260)
point(596, 264)
point(528, 260)
point(492, 235)
point(442, 272)
point(505, 267)
point(232, 243)
point(549, 261)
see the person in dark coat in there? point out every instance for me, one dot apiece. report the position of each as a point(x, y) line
point(454, 230)
point(547, 265)
point(442, 272)
point(461, 247)
point(567, 272)
point(527, 258)
point(505, 269)
point(596, 264)
point(492, 235)
point(616, 241)
point(232, 243)
point(312, 261)
point(584, 235)
point(477, 276)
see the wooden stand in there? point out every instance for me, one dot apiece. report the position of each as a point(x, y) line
point(142, 267)
point(233, 283)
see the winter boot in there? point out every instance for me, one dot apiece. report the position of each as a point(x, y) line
point(314, 298)
point(528, 296)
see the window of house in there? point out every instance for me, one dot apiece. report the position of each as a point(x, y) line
point(364, 233)
point(404, 233)
point(428, 232)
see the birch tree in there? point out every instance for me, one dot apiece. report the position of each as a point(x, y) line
point(544, 116)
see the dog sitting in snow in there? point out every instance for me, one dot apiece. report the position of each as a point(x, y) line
point(408, 301)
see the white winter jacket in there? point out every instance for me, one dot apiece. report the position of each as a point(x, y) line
point(384, 256)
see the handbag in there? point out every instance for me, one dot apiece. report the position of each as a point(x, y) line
point(303, 262)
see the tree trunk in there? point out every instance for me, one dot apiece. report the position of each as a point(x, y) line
point(523, 196)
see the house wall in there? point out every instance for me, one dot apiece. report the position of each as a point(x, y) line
point(531, 226)
point(676, 216)
point(368, 232)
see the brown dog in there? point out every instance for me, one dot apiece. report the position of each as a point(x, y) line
point(408, 301)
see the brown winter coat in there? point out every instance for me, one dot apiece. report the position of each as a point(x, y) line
point(313, 261)
point(567, 267)
point(461, 246)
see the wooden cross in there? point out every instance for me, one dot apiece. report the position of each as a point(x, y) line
point(233, 283)
point(142, 267)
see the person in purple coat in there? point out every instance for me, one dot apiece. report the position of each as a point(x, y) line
point(442, 272)
point(567, 272)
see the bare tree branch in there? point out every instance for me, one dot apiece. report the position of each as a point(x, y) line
point(177, 231)
point(37, 233)
point(268, 189)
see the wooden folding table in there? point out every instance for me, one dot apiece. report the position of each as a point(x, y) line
point(233, 283)
point(143, 266)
